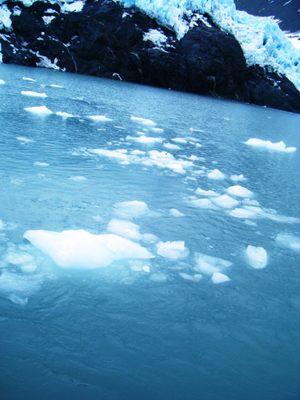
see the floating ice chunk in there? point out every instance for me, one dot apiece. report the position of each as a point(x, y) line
point(2, 82)
point(225, 201)
point(171, 146)
point(209, 265)
point(64, 114)
point(237, 178)
point(29, 93)
point(40, 164)
point(131, 209)
point(28, 79)
point(216, 174)
point(202, 203)
point(54, 85)
point(24, 139)
point(81, 249)
point(243, 213)
point(157, 130)
point(158, 277)
point(18, 284)
point(119, 155)
point(180, 140)
point(218, 278)
point(2, 225)
point(257, 257)
point(239, 191)
point(99, 118)
point(21, 301)
point(165, 160)
point(42, 111)
point(267, 144)
point(148, 140)
point(172, 250)
point(143, 121)
point(192, 278)
point(208, 193)
point(289, 241)
point(77, 178)
point(124, 228)
point(176, 213)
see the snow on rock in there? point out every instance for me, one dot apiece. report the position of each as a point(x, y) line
point(210, 265)
point(218, 278)
point(172, 250)
point(81, 249)
point(216, 174)
point(41, 111)
point(239, 191)
point(156, 37)
point(29, 93)
point(257, 257)
point(131, 209)
point(268, 145)
point(289, 241)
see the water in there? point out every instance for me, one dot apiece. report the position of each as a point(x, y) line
point(126, 331)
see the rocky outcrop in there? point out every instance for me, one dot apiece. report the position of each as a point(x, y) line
point(104, 39)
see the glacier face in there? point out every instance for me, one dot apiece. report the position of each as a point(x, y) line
point(261, 39)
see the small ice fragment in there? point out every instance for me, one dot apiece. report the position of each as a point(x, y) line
point(42, 111)
point(208, 265)
point(2, 82)
point(2, 225)
point(176, 213)
point(202, 203)
point(81, 249)
point(158, 277)
point(24, 139)
point(41, 164)
point(64, 114)
point(157, 130)
point(28, 79)
point(99, 118)
point(143, 121)
point(238, 178)
point(216, 174)
point(131, 209)
point(124, 228)
point(239, 191)
point(21, 301)
point(171, 146)
point(268, 145)
point(289, 241)
point(192, 278)
point(54, 85)
point(147, 140)
point(208, 193)
point(29, 93)
point(257, 257)
point(77, 178)
point(172, 250)
point(225, 201)
point(243, 213)
point(218, 278)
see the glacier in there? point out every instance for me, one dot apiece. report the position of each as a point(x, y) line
point(262, 40)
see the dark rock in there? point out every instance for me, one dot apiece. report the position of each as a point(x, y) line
point(106, 40)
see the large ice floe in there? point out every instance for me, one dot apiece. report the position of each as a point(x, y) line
point(82, 249)
point(268, 145)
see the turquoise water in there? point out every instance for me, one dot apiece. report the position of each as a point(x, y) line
point(140, 326)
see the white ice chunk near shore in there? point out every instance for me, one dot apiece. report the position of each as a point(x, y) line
point(83, 250)
point(289, 241)
point(172, 250)
point(257, 257)
point(29, 93)
point(268, 145)
point(41, 111)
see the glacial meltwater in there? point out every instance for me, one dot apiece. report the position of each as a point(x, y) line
point(149, 243)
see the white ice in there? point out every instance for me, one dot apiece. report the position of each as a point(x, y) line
point(218, 278)
point(225, 201)
point(172, 250)
point(257, 257)
point(42, 111)
point(216, 174)
point(64, 114)
point(124, 228)
point(82, 249)
point(208, 193)
point(209, 265)
point(99, 118)
point(131, 209)
point(289, 241)
point(239, 191)
point(29, 93)
point(176, 213)
point(268, 145)
point(192, 278)
point(143, 121)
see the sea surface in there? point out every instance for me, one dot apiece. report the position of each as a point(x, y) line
point(149, 243)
